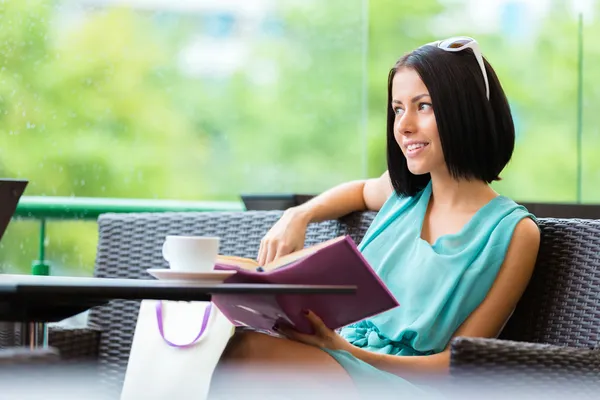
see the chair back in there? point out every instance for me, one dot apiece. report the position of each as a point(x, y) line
point(561, 305)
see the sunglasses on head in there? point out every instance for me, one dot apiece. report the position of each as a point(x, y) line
point(460, 43)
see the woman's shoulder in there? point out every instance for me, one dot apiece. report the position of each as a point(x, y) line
point(512, 219)
point(396, 203)
point(393, 213)
point(526, 225)
point(527, 230)
point(507, 206)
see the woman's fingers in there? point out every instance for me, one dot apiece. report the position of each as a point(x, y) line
point(262, 254)
point(287, 235)
point(271, 251)
point(283, 249)
point(321, 335)
point(317, 323)
point(293, 334)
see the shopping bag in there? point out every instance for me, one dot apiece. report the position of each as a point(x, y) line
point(175, 350)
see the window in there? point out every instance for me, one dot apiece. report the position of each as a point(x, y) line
point(206, 99)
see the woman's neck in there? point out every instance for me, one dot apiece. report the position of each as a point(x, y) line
point(451, 194)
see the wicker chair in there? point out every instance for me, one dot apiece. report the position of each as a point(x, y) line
point(552, 331)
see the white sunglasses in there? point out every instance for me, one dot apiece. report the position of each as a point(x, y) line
point(459, 43)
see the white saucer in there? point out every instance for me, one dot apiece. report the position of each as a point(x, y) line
point(210, 276)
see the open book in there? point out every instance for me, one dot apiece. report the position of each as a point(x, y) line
point(334, 262)
point(252, 265)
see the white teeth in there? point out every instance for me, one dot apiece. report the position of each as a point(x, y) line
point(415, 146)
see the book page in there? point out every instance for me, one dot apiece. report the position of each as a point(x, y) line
point(242, 262)
point(295, 256)
point(250, 264)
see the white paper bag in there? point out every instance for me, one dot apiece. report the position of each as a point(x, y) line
point(177, 363)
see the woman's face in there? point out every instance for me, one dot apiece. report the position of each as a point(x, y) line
point(415, 128)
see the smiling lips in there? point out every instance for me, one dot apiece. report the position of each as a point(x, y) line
point(415, 148)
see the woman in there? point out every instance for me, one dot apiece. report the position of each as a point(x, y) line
point(456, 255)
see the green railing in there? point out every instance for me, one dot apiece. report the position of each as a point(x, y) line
point(45, 208)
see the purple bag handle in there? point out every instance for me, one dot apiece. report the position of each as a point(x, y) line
point(159, 319)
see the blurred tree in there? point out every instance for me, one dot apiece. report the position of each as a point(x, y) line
point(84, 113)
point(395, 28)
point(540, 77)
point(98, 104)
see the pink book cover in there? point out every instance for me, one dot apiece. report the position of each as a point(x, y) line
point(339, 263)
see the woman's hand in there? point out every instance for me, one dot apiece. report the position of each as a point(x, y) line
point(323, 337)
point(286, 236)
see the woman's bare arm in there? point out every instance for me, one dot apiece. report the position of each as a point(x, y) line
point(348, 197)
point(288, 234)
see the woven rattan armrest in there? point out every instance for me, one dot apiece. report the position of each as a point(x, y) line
point(75, 344)
point(503, 366)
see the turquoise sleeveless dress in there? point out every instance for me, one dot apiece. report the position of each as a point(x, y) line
point(437, 286)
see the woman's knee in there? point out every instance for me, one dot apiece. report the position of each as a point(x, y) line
point(252, 356)
point(235, 347)
point(255, 347)
point(244, 344)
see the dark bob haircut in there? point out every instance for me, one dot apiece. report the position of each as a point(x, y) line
point(477, 135)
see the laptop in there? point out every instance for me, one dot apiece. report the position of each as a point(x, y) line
point(11, 191)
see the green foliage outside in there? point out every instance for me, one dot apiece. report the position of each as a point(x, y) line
point(99, 105)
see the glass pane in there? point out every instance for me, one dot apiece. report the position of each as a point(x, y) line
point(395, 27)
point(535, 56)
point(70, 246)
point(591, 104)
point(187, 100)
point(230, 96)
point(532, 46)
point(19, 247)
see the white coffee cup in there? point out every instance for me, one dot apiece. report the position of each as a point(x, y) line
point(191, 253)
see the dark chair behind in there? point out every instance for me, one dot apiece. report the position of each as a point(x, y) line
point(561, 305)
